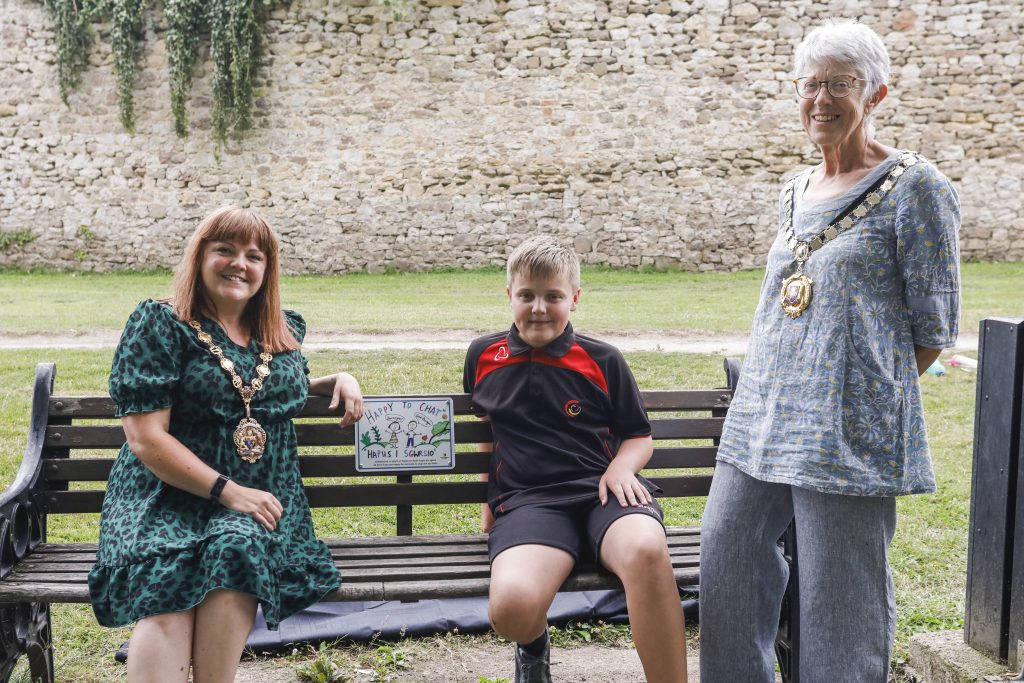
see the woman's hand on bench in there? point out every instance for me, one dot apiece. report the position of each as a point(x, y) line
point(342, 388)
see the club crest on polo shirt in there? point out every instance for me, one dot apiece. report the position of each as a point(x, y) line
point(502, 353)
point(573, 408)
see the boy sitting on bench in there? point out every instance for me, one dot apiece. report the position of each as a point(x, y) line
point(570, 435)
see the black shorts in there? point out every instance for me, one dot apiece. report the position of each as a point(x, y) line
point(576, 526)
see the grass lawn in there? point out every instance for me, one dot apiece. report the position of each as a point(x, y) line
point(473, 301)
point(928, 554)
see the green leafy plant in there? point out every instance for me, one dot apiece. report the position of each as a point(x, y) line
point(488, 679)
point(439, 432)
point(387, 660)
point(16, 238)
point(576, 633)
point(86, 234)
point(323, 669)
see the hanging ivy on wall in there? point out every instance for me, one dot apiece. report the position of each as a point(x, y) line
point(71, 19)
point(184, 19)
point(234, 49)
point(235, 28)
point(125, 36)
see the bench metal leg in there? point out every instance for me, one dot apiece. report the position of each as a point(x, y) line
point(787, 642)
point(25, 630)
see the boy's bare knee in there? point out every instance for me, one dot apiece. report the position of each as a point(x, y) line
point(516, 616)
point(637, 555)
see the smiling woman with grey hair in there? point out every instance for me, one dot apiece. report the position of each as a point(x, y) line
point(826, 425)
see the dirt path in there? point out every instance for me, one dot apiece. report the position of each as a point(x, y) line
point(449, 661)
point(431, 340)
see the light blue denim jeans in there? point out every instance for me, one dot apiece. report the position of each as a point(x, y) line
point(847, 603)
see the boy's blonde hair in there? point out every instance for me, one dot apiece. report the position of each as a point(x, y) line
point(544, 256)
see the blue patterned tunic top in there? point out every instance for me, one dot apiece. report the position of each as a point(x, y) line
point(830, 400)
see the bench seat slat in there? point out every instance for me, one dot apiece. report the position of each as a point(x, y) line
point(375, 565)
point(399, 590)
point(359, 573)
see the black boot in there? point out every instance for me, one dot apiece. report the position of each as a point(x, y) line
point(530, 669)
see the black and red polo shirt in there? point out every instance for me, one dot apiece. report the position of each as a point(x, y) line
point(558, 414)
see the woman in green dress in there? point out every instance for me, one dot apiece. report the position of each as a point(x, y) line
point(204, 516)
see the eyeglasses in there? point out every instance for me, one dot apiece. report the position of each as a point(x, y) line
point(838, 86)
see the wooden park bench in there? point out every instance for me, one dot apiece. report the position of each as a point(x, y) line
point(35, 573)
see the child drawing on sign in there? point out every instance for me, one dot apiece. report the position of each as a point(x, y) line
point(420, 420)
point(393, 428)
point(410, 432)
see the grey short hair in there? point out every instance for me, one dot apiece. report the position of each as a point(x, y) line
point(850, 44)
point(544, 256)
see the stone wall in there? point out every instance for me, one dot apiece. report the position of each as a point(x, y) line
point(647, 133)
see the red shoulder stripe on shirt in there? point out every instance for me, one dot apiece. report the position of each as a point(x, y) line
point(577, 360)
point(495, 357)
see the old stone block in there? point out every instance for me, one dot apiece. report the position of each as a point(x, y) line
point(582, 244)
point(905, 20)
point(528, 16)
point(746, 11)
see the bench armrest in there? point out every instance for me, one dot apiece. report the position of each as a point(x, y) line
point(22, 513)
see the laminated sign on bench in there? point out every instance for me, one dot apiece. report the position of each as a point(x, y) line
point(400, 435)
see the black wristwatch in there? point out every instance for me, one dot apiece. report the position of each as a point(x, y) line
point(218, 487)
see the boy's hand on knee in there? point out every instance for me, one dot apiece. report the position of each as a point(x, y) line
point(621, 481)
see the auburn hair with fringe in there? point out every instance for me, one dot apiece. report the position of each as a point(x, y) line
point(263, 312)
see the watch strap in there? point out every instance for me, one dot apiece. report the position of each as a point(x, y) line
point(218, 487)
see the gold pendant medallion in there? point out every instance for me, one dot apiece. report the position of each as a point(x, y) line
point(250, 440)
point(795, 296)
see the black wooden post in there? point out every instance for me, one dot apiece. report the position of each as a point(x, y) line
point(1016, 633)
point(403, 513)
point(995, 584)
point(787, 641)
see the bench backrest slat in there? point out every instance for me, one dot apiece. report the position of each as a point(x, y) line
point(101, 407)
point(330, 434)
point(382, 495)
point(469, 462)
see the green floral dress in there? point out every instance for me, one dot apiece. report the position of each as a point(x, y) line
point(163, 549)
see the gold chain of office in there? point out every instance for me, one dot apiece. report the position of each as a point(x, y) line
point(796, 292)
point(249, 437)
